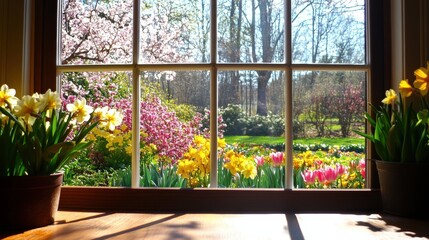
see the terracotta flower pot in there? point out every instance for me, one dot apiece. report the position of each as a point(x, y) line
point(29, 201)
point(404, 188)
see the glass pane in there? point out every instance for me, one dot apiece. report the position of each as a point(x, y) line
point(251, 104)
point(327, 107)
point(175, 129)
point(328, 31)
point(251, 31)
point(96, 32)
point(175, 31)
point(110, 153)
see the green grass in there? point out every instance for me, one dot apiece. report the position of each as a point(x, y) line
point(278, 140)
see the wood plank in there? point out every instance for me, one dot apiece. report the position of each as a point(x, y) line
point(119, 225)
point(216, 200)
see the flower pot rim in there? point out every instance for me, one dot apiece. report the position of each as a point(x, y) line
point(394, 162)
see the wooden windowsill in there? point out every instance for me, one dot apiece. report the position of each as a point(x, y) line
point(219, 200)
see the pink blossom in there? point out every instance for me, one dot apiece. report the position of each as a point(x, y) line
point(309, 176)
point(340, 169)
point(277, 158)
point(259, 160)
point(362, 167)
point(331, 174)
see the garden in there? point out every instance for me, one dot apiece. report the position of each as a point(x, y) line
point(174, 134)
point(175, 145)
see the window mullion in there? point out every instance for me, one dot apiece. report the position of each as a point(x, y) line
point(135, 162)
point(288, 97)
point(213, 96)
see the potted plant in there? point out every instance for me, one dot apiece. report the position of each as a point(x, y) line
point(38, 135)
point(400, 135)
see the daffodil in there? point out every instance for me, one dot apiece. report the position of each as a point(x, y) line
point(27, 109)
point(50, 101)
point(400, 134)
point(111, 119)
point(405, 88)
point(7, 96)
point(422, 79)
point(391, 97)
point(80, 110)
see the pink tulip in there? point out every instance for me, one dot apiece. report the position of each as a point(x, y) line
point(308, 176)
point(277, 158)
point(259, 160)
point(331, 174)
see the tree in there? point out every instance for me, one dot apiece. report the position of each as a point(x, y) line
point(269, 40)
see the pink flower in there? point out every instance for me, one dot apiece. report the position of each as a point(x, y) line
point(340, 169)
point(331, 174)
point(362, 167)
point(259, 160)
point(277, 158)
point(327, 175)
point(320, 175)
point(308, 176)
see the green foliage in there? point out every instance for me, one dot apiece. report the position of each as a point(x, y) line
point(10, 135)
point(44, 150)
point(398, 136)
point(277, 143)
point(233, 116)
point(82, 172)
point(152, 175)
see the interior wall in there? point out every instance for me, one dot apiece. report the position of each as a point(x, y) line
point(410, 38)
point(11, 44)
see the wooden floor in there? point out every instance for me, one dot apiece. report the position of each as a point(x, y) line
point(111, 225)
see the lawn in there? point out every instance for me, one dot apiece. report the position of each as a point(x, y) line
point(279, 140)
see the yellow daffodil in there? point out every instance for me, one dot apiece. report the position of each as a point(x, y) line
point(390, 97)
point(99, 113)
point(422, 79)
point(80, 110)
point(405, 88)
point(27, 108)
point(50, 101)
point(112, 119)
point(221, 143)
point(7, 96)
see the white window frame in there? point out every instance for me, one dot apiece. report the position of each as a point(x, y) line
point(213, 67)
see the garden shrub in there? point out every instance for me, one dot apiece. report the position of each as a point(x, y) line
point(233, 116)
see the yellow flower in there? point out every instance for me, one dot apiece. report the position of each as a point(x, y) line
point(27, 108)
point(221, 143)
point(50, 101)
point(390, 97)
point(185, 168)
point(405, 88)
point(249, 170)
point(112, 119)
point(80, 109)
point(422, 79)
point(100, 112)
point(7, 96)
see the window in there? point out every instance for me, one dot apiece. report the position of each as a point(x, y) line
point(294, 65)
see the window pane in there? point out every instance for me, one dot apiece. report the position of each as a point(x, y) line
point(175, 31)
point(175, 146)
point(110, 153)
point(96, 32)
point(251, 104)
point(327, 107)
point(251, 31)
point(328, 31)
